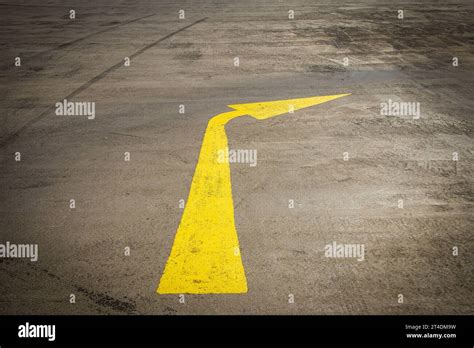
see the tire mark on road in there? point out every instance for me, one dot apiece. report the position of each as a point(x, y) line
point(69, 43)
point(30, 5)
point(92, 81)
point(100, 299)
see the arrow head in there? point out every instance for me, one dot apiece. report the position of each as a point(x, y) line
point(269, 109)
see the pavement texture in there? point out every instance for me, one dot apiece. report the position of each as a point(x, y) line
point(351, 198)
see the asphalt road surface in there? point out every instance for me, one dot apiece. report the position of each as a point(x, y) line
point(401, 186)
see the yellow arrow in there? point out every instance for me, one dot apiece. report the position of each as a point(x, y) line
point(205, 257)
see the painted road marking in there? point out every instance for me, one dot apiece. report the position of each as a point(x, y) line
point(203, 258)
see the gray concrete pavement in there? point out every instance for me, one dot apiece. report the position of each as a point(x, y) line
point(134, 204)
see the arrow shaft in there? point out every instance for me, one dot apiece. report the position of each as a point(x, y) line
point(205, 257)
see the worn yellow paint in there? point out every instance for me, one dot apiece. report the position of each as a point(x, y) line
point(205, 257)
point(264, 110)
